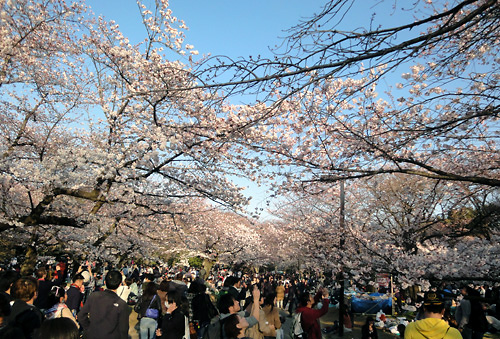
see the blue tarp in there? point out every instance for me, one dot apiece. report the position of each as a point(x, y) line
point(375, 303)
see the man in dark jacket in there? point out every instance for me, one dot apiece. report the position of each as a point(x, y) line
point(105, 314)
point(75, 294)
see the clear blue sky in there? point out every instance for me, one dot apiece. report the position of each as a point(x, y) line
point(221, 27)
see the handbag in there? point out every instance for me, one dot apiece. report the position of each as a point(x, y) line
point(189, 330)
point(132, 299)
point(152, 313)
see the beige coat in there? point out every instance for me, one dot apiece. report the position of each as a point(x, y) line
point(257, 331)
point(280, 292)
point(272, 318)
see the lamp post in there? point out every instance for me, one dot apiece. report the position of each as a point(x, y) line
point(341, 249)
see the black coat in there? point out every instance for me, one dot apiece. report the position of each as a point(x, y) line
point(26, 317)
point(173, 325)
point(203, 308)
point(105, 315)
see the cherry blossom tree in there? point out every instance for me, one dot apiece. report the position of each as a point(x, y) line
point(419, 230)
point(218, 235)
point(99, 146)
point(409, 228)
point(419, 98)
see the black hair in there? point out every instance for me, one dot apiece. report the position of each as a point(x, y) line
point(149, 290)
point(78, 276)
point(113, 279)
point(174, 296)
point(58, 328)
point(149, 276)
point(4, 306)
point(269, 300)
point(304, 299)
point(231, 328)
point(434, 308)
point(164, 285)
point(225, 301)
point(7, 278)
point(229, 281)
point(401, 330)
point(55, 294)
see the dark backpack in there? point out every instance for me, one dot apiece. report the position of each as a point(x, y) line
point(214, 329)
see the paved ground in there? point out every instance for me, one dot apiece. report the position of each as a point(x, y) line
point(327, 320)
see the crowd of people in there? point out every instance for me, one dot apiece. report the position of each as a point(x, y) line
point(63, 300)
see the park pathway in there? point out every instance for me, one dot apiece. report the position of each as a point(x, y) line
point(327, 320)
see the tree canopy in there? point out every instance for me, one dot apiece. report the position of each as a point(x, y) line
point(113, 150)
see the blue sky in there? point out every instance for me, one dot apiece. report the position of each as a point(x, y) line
point(221, 27)
point(228, 27)
point(237, 28)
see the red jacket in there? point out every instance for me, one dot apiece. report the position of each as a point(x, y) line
point(310, 319)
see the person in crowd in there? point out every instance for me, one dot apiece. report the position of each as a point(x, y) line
point(44, 287)
point(280, 294)
point(271, 315)
point(162, 292)
point(233, 327)
point(178, 284)
point(58, 328)
point(401, 329)
point(432, 326)
point(310, 316)
point(477, 325)
point(75, 293)
point(60, 270)
point(7, 278)
point(59, 309)
point(148, 303)
point(462, 312)
point(24, 314)
point(173, 323)
point(257, 332)
point(134, 292)
point(236, 288)
point(292, 298)
point(105, 315)
point(8, 330)
point(228, 305)
point(124, 290)
point(235, 322)
point(89, 282)
point(267, 285)
point(368, 330)
point(203, 308)
point(287, 289)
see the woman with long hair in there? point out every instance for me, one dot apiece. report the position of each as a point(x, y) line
point(257, 332)
point(148, 310)
point(272, 316)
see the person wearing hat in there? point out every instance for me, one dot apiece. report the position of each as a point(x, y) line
point(432, 326)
